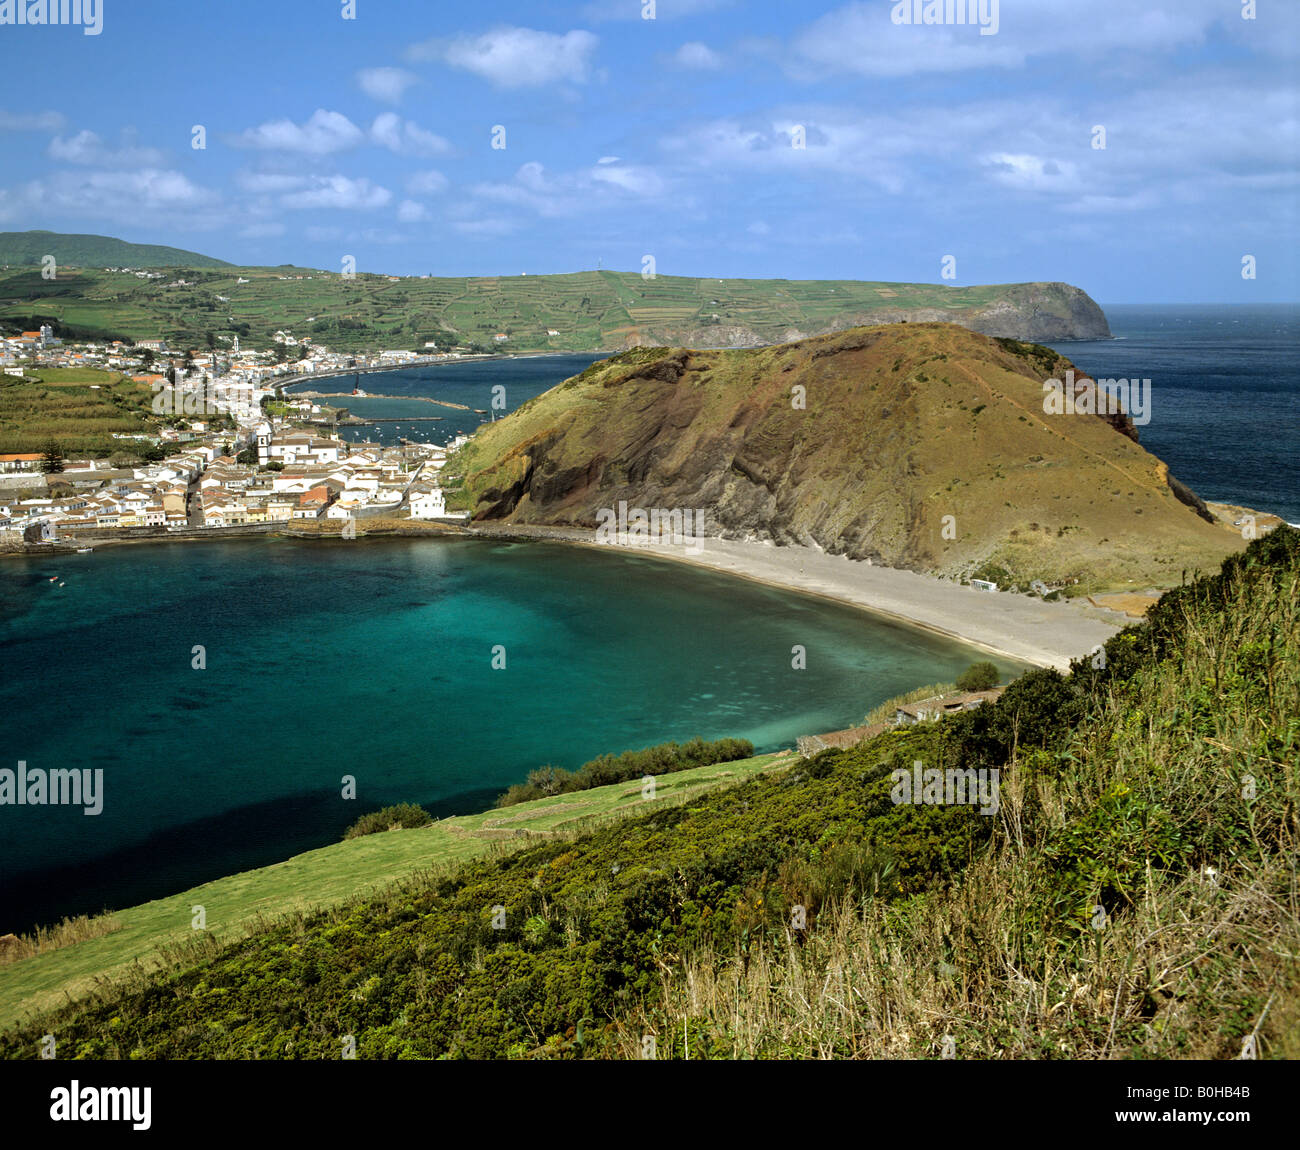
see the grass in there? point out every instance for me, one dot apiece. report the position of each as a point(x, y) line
point(46, 938)
point(590, 311)
point(885, 712)
point(1174, 807)
point(159, 933)
point(77, 408)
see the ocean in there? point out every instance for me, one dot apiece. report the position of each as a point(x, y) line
point(1225, 395)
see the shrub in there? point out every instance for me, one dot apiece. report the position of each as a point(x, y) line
point(661, 759)
point(400, 817)
point(978, 677)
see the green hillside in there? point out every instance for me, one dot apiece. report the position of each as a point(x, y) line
point(1133, 896)
point(586, 311)
point(77, 409)
point(28, 249)
point(159, 932)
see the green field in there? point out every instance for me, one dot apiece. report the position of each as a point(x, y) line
point(334, 875)
point(62, 406)
point(589, 311)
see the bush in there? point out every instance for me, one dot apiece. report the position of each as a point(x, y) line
point(978, 677)
point(400, 817)
point(662, 759)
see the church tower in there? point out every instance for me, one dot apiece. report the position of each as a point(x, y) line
point(263, 443)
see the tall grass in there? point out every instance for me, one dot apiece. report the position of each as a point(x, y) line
point(44, 938)
point(1150, 812)
point(884, 713)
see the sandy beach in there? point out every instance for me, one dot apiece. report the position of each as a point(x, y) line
point(1016, 626)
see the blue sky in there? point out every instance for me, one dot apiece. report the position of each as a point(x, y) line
point(674, 137)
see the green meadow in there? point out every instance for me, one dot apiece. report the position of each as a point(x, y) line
point(160, 933)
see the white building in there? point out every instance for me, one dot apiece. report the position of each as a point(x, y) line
point(428, 504)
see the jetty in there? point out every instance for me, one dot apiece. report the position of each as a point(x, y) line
point(371, 395)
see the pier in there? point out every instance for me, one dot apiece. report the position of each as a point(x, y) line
point(368, 395)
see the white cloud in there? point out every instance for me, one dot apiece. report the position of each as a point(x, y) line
point(836, 140)
point(405, 137)
point(31, 121)
point(387, 85)
point(322, 135)
point(87, 148)
point(607, 160)
point(428, 183)
point(1033, 173)
point(862, 38)
point(1168, 147)
point(145, 195)
point(269, 183)
point(409, 212)
point(338, 192)
point(640, 181)
point(510, 57)
point(560, 196)
point(697, 55)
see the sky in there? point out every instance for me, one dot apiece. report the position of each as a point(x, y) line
point(786, 139)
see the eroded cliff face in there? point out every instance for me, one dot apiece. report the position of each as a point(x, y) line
point(921, 446)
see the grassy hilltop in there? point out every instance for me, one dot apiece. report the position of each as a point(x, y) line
point(902, 426)
point(30, 248)
point(585, 311)
point(1133, 897)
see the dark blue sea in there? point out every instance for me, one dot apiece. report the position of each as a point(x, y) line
point(1225, 395)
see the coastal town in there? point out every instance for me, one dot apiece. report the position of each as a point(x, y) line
point(230, 450)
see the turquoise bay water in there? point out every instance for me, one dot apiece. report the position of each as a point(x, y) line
point(468, 383)
point(373, 659)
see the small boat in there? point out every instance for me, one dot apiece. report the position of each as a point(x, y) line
point(62, 584)
point(54, 578)
point(84, 550)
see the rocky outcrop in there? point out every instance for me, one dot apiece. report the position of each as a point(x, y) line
point(925, 446)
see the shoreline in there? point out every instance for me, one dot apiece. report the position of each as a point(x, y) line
point(1018, 627)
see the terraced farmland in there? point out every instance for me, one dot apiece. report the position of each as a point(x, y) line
point(585, 311)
